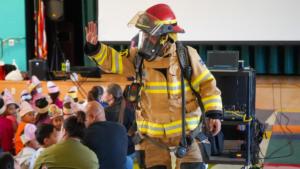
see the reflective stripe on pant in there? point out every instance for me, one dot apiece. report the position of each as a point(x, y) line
point(156, 156)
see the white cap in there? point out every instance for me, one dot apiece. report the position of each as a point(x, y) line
point(52, 88)
point(14, 75)
point(29, 133)
point(25, 108)
point(73, 92)
point(8, 97)
point(33, 83)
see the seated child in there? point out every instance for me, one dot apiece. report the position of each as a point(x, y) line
point(46, 136)
point(31, 145)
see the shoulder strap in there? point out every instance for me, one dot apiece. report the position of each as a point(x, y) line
point(187, 70)
point(185, 65)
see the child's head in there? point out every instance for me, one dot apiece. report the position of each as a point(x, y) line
point(42, 105)
point(27, 113)
point(25, 96)
point(6, 161)
point(56, 116)
point(57, 122)
point(73, 93)
point(46, 135)
point(35, 86)
point(11, 109)
point(28, 137)
point(11, 105)
point(53, 90)
point(67, 107)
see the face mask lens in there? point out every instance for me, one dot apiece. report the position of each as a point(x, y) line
point(148, 45)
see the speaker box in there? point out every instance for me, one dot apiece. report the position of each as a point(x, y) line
point(38, 68)
point(55, 9)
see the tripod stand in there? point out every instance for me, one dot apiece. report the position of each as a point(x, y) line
point(57, 56)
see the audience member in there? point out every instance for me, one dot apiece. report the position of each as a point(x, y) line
point(42, 107)
point(107, 139)
point(70, 152)
point(67, 107)
point(95, 94)
point(6, 130)
point(56, 116)
point(117, 111)
point(73, 91)
point(46, 135)
point(7, 161)
point(35, 89)
point(27, 116)
point(11, 108)
point(54, 93)
point(25, 96)
point(31, 145)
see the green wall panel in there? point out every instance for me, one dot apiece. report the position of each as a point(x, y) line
point(273, 60)
point(260, 59)
point(289, 60)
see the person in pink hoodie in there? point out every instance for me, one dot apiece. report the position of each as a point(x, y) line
point(6, 130)
point(54, 93)
point(11, 108)
point(42, 109)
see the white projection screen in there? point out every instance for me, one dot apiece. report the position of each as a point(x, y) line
point(209, 20)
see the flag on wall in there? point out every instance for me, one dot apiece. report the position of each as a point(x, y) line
point(40, 41)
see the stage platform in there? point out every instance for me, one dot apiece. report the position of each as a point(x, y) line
point(64, 85)
point(272, 92)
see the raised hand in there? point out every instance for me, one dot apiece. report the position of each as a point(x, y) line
point(91, 33)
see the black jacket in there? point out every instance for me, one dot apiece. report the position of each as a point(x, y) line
point(109, 141)
point(112, 114)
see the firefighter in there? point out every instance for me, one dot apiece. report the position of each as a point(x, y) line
point(159, 115)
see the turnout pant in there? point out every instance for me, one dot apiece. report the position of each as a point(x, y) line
point(155, 157)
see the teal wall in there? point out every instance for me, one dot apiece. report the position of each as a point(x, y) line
point(12, 25)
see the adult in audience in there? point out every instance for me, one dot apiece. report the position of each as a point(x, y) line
point(27, 116)
point(119, 111)
point(95, 94)
point(6, 130)
point(46, 135)
point(107, 139)
point(70, 152)
point(116, 110)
